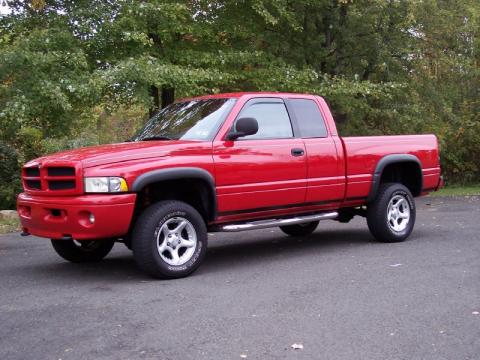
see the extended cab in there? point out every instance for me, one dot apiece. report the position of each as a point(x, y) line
point(228, 162)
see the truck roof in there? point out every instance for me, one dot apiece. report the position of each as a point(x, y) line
point(240, 94)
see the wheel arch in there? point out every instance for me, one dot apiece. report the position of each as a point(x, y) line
point(194, 175)
point(403, 168)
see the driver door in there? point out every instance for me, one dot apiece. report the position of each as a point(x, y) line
point(265, 171)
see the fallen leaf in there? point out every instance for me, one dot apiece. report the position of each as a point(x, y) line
point(395, 265)
point(243, 356)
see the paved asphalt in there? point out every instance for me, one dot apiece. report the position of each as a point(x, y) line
point(337, 292)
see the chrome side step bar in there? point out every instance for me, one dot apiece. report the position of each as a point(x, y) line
point(263, 224)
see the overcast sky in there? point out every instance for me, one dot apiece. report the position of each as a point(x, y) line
point(4, 7)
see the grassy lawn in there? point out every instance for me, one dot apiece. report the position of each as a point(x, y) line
point(9, 225)
point(456, 190)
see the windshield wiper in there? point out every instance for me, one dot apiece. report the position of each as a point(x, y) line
point(156, 137)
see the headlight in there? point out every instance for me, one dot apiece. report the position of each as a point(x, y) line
point(105, 184)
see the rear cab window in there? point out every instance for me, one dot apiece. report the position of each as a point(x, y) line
point(308, 117)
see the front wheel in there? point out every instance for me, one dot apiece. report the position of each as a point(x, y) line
point(391, 216)
point(84, 250)
point(169, 240)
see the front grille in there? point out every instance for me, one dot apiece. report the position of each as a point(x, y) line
point(34, 184)
point(61, 184)
point(61, 171)
point(50, 178)
point(32, 172)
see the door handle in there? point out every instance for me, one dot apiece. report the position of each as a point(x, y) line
point(298, 152)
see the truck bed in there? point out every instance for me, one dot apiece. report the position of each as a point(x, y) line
point(363, 153)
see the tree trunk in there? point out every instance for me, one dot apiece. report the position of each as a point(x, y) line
point(154, 93)
point(168, 95)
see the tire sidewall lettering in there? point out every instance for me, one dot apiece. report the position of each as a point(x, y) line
point(406, 196)
point(411, 205)
point(190, 262)
point(163, 220)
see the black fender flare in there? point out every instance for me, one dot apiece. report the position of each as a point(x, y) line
point(388, 160)
point(181, 173)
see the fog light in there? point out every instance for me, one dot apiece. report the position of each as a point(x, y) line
point(91, 218)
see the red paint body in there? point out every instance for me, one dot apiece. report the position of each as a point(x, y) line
point(253, 178)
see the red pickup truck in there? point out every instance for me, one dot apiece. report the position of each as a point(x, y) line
point(227, 162)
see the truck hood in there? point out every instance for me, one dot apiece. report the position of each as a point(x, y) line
point(113, 153)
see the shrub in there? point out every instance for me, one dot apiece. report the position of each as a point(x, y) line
point(10, 184)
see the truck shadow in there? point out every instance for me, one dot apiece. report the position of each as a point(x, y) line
point(261, 249)
point(226, 251)
point(116, 268)
point(277, 247)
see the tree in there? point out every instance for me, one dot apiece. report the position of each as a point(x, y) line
point(386, 67)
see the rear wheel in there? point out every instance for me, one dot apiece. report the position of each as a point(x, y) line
point(83, 251)
point(169, 240)
point(300, 229)
point(391, 216)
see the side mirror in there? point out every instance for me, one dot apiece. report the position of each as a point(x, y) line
point(243, 127)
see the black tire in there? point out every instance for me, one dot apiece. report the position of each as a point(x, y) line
point(148, 236)
point(83, 251)
point(381, 227)
point(300, 229)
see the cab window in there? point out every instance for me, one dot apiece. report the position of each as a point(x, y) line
point(309, 118)
point(272, 117)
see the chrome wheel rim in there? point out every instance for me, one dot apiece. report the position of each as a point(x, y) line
point(398, 213)
point(176, 241)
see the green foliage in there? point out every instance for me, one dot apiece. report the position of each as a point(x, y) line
point(45, 83)
point(9, 176)
point(81, 72)
point(119, 126)
point(82, 139)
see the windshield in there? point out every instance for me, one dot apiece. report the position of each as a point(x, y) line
point(189, 120)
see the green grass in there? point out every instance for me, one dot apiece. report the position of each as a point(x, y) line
point(457, 190)
point(9, 225)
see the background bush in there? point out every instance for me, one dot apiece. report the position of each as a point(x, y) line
point(9, 176)
point(78, 73)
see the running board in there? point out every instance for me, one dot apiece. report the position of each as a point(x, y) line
point(263, 224)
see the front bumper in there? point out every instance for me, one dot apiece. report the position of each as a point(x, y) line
point(59, 217)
